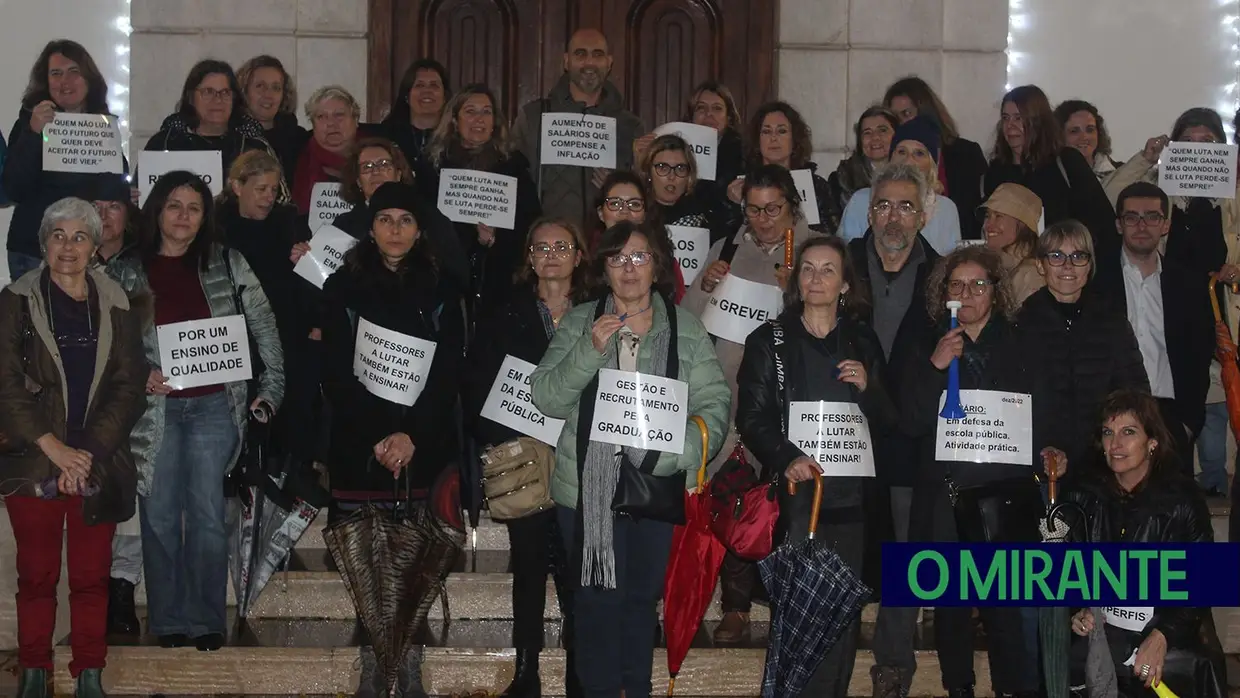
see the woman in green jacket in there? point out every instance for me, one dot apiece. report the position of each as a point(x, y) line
point(623, 558)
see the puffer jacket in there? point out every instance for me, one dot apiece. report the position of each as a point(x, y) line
point(571, 364)
point(567, 191)
point(260, 320)
point(34, 393)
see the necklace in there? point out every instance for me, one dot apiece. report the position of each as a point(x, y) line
point(552, 312)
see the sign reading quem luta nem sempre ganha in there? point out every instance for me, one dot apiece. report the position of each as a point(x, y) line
point(391, 365)
point(205, 352)
point(473, 196)
point(582, 140)
point(1198, 169)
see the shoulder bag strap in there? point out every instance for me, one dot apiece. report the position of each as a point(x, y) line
point(673, 371)
point(728, 252)
point(226, 254)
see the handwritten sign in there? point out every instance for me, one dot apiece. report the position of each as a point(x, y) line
point(473, 196)
point(205, 352)
point(702, 140)
point(835, 435)
point(1198, 169)
point(804, 181)
point(153, 164)
point(640, 410)
point(509, 403)
point(997, 428)
point(691, 245)
point(738, 306)
point(326, 204)
point(82, 143)
point(581, 140)
point(391, 365)
point(326, 254)
point(1129, 618)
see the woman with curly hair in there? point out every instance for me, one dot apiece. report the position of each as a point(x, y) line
point(1086, 130)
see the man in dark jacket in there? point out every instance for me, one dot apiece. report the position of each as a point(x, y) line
point(568, 191)
point(1168, 308)
point(894, 260)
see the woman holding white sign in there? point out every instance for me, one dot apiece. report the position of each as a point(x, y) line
point(473, 135)
point(551, 282)
point(810, 385)
point(626, 373)
point(393, 335)
point(209, 310)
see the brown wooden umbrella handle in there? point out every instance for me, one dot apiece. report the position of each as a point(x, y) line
point(701, 473)
point(817, 505)
point(788, 250)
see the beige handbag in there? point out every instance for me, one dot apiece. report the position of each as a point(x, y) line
point(516, 478)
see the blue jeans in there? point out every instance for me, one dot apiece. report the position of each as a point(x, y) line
point(184, 541)
point(1212, 448)
point(20, 264)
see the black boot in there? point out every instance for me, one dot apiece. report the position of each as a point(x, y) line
point(122, 614)
point(33, 684)
point(525, 680)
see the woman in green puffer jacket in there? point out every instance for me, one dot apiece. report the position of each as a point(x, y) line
point(622, 558)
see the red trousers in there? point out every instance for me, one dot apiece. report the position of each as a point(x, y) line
point(38, 526)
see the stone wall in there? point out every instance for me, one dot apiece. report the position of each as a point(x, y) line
point(320, 42)
point(837, 57)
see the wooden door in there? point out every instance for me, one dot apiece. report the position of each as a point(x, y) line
point(662, 48)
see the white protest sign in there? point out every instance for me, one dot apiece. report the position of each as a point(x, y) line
point(326, 254)
point(804, 180)
point(510, 404)
point(82, 143)
point(1130, 618)
point(997, 428)
point(326, 204)
point(640, 410)
point(473, 196)
point(691, 245)
point(581, 140)
point(205, 352)
point(738, 306)
point(1198, 169)
point(153, 164)
point(835, 435)
point(391, 365)
point(702, 140)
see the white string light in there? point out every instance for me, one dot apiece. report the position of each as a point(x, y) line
point(118, 100)
point(1018, 21)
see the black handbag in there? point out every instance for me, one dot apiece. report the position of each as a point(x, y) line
point(1006, 511)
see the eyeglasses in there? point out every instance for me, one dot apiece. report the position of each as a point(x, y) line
point(904, 209)
point(771, 210)
point(1151, 219)
point(663, 169)
point(978, 287)
point(375, 166)
point(1080, 258)
point(559, 249)
point(615, 203)
point(638, 259)
point(211, 94)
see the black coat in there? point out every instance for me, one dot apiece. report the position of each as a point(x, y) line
point(1074, 368)
point(415, 304)
point(1197, 239)
point(287, 138)
point(266, 245)
point(176, 136)
point(965, 166)
point(1188, 328)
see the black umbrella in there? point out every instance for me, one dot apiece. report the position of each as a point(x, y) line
point(815, 596)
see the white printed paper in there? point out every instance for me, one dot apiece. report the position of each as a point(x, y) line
point(391, 365)
point(509, 403)
point(636, 409)
point(997, 428)
point(1198, 169)
point(205, 352)
point(804, 181)
point(327, 250)
point(835, 435)
point(326, 204)
point(702, 140)
point(1133, 618)
point(582, 140)
point(473, 196)
point(82, 143)
point(691, 246)
point(737, 306)
point(153, 164)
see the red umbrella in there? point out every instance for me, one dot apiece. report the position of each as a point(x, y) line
point(1225, 352)
point(692, 571)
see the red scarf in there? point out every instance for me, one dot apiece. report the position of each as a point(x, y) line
point(316, 164)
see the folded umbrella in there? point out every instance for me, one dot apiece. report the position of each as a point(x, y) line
point(1225, 352)
point(815, 596)
point(1054, 633)
point(692, 571)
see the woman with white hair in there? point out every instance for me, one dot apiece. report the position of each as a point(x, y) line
point(71, 377)
point(334, 115)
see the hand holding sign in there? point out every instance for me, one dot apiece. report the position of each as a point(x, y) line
point(714, 274)
point(42, 115)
